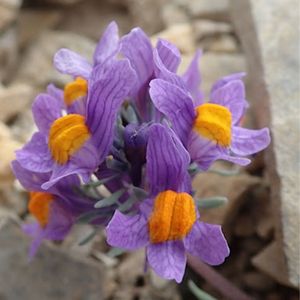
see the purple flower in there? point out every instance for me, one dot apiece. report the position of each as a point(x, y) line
point(209, 131)
point(167, 221)
point(75, 143)
point(69, 62)
point(150, 63)
point(55, 211)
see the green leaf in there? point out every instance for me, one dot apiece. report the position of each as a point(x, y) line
point(100, 182)
point(139, 193)
point(211, 202)
point(198, 293)
point(224, 172)
point(112, 199)
point(129, 114)
point(88, 238)
point(124, 207)
point(87, 217)
point(116, 165)
point(114, 252)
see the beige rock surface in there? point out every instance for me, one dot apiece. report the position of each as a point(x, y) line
point(181, 35)
point(7, 154)
point(271, 262)
point(14, 99)
point(37, 68)
point(53, 274)
point(213, 66)
point(270, 38)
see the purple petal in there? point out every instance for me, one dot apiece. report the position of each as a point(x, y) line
point(31, 181)
point(169, 55)
point(207, 242)
point(136, 46)
point(247, 141)
point(83, 163)
point(36, 232)
point(71, 63)
point(104, 101)
point(46, 109)
point(60, 222)
point(167, 160)
point(192, 79)
point(162, 72)
point(35, 155)
point(232, 96)
point(55, 92)
point(175, 104)
point(167, 259)
point(203, 151)
point(108, 44)
point(127, 232)
point(224, 80)
point(242, 161)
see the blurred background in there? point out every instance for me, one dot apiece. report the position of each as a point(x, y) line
point(261, 217)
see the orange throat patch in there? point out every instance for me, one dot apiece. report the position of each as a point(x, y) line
point(173, 216)
point(67, 135)
point(39, 206)
point(74, 90)
point(213, 122)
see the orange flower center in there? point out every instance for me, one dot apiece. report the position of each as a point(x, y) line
point(213, 121)
point(67, 135)
point(74, 90)
point(173, 216)
point(39, 206)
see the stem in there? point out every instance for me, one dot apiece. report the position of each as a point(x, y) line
point(220, 283)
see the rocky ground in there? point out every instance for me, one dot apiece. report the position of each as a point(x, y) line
point(263, 239)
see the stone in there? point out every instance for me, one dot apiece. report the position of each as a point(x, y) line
point(214, 66)
point(236, 188)
point(172, 14)
point(273, 68)
point(208, 28)
point(143, 14)
point(258, 281)
point(28, 18)
point(13, 200)
point(131, 269)
point(77, 235)
point(213, 9)
point(8, 53)
point(20, 95)
point(181, 35)
point(7, 154)
point(37, 69)
point(53, 274)
point(61, 2)
point(8, 37)
point(271, 262)
point(8, 13)
point(224, 44)
point(23, 126)
point(95, 16)
point(244, 227)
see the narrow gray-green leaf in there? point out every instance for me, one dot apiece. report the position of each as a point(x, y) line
point(109, 200)
point(124, 207)
point(224, 172)
point(211, 202)
point(100, 182)
point(88, 238)
point(114, 252)
point(199, 294)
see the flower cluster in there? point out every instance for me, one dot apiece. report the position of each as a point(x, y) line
point(115, 147)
